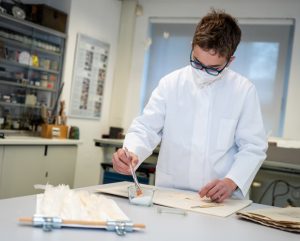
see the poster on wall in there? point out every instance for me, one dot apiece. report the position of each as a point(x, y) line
point(90, 66)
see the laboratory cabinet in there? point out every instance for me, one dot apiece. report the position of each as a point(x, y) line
point(24, 166)
point(277, 183)
point(276, 187)
point(31, 64)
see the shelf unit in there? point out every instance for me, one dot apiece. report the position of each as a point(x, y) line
point(31, 64)
point(5, 82)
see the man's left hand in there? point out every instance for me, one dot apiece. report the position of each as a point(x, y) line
point(218, 190)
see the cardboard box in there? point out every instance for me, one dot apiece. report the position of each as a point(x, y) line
point(54, 131)
point(47, 16)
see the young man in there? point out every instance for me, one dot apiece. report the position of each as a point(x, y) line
point(207, 118)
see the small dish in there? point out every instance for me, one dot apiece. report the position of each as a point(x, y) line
point(144, 199)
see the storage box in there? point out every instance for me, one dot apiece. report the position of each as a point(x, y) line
point(47, 16)
point(54, 131)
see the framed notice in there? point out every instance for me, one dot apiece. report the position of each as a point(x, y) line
point(89, 75)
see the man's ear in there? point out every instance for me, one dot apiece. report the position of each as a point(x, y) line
point(232, 58)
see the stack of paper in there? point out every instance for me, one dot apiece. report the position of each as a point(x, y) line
point(287, 219)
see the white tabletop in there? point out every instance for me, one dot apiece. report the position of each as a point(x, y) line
point(160, 227)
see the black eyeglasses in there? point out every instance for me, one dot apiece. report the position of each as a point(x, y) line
point(210, 70)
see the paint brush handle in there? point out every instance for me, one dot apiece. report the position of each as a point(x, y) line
point(139, 191)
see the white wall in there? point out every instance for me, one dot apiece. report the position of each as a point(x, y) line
point(98, 19)
point(122, 71)
point(198, 8)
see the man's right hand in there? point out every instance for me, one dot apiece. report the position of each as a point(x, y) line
point(121, 161)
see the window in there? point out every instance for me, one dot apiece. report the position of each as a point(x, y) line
point(263, 56)
point(170, 50)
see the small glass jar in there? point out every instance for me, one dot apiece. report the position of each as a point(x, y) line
point(144, 199)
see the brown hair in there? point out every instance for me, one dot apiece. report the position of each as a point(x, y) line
point(218, 31)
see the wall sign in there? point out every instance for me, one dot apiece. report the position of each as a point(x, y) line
point(88, 77)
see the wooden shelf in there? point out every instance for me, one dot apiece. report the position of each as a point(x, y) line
point(26, 86)
point(15, 43)
point(9, 62)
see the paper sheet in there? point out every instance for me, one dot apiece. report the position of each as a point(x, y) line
point(185, 200)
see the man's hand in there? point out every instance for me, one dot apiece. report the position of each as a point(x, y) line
point(121, 161)
point(218, 190)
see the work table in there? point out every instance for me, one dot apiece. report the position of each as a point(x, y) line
point(159, 226)
point(30, 140)
point(281, 154)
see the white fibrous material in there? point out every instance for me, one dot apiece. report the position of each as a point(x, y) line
point(142, 200)
point(62, 202)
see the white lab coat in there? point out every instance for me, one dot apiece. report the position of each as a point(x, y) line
point(205, 133)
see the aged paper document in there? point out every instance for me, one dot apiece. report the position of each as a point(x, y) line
point(185, 200)
point(287, 219)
